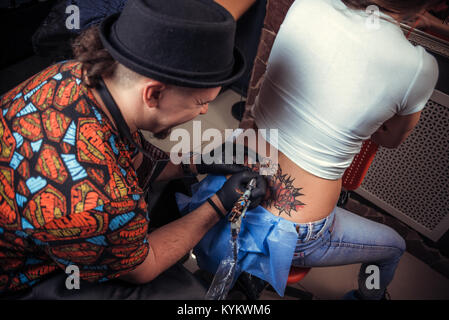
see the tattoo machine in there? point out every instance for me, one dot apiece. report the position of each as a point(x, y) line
point(224, 277)
point(239, 209)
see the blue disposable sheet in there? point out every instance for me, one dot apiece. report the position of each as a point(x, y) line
point(266, 242)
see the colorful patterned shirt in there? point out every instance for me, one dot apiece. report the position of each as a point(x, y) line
point(68, 192)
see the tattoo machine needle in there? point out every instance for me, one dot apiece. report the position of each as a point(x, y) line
point(221, 284)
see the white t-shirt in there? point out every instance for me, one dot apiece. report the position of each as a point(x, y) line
point(332, 80)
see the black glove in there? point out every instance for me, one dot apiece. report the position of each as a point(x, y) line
point(235, 186)
point(219, 165)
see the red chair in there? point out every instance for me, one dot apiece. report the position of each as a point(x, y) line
point(356, 172)
point(352, 179)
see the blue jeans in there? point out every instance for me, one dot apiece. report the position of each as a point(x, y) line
point(346, 238)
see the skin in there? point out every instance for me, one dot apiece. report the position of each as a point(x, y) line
point(148, 104)
point(236, 8)
point(302, 197)
point(396, 130)
point(295, 194)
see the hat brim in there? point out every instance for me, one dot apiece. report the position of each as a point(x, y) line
point(128, 61)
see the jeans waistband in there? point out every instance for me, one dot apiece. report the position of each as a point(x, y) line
point(312, 230)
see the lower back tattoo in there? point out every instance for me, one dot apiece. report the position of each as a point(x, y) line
point(283, 194)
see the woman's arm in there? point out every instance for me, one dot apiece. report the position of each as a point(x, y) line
point(236, 7)
point(395, 130)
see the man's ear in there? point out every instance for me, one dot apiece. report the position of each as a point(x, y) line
point(152, 92)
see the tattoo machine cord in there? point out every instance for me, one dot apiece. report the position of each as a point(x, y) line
point(223, 279)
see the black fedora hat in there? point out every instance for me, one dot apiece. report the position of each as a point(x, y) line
point(188, 43)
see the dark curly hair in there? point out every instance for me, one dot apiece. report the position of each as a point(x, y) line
point(97, 62)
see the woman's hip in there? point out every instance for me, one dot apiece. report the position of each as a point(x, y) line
point(345, 238)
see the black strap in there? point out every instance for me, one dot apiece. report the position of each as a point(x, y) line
point(124, 130)
point(217, 210)
point(120, 122)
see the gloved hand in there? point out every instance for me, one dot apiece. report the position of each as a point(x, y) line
point(235, 186)
point(220, 164)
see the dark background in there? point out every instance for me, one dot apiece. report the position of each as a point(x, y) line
point(18, 60)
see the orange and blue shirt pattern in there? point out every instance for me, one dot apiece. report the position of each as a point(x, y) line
point(68, 191)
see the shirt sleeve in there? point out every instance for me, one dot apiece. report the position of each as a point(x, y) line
point(422, 86)
point(103, 244)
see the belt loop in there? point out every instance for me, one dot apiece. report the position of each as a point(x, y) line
point(331, 227)
point(332, 221)
point(327, 224)
point(322, 228)
point(309, 231)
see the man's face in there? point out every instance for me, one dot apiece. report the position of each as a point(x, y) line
point(179, 105)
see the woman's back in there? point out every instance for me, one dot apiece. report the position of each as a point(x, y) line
point(333, 79)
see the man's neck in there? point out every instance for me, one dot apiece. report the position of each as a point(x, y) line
point(114, 91)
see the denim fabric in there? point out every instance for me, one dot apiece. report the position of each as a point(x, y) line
point(345, 238)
